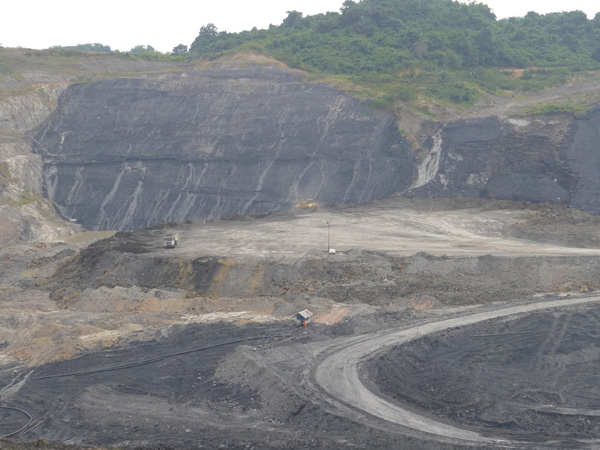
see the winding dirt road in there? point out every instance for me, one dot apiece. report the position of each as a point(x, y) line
point(338, 374)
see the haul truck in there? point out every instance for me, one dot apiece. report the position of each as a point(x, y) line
point(171, 240)
point(308, 204)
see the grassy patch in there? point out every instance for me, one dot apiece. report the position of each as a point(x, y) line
point(90, 236)
point(552, 108)
point(27, 198)
point(5, 175)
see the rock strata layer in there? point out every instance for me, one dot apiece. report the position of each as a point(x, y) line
point(237, 139)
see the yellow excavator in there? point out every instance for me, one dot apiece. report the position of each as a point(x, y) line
point(308, 204)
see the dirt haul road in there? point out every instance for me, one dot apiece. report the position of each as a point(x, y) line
point(397, 227)
point(338, 374)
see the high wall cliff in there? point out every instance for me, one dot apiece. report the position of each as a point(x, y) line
point(129, 153)
point(159, 143)
point(542, 158)
point(25, 102)
point(30, 84)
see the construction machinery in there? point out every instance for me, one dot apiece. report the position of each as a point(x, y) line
point(171, 240)
point(308, 204)
point(303, 317)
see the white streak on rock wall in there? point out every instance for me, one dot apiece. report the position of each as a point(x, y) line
point(51, 183)
point(78, 184)
point(428, 169)
point(103, 220)
point(355, 177)
point(130, 214)
point(259, 186)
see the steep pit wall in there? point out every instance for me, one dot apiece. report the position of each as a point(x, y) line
point(31, 82)
point(131, 153)
point(249, 136)
point(24, 213)
point(541, 158)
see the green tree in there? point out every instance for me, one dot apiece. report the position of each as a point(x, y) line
point(180, 50)
point(208, 36)
point(292, 20)
point(423, 37)
point(142, 49)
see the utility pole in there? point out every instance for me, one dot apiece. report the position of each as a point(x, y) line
point(328, 246)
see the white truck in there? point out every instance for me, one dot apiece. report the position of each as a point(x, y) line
point(171, 240)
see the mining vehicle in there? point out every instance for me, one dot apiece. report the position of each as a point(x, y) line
point(303, 317)
point(308, 204)
point(171, 240)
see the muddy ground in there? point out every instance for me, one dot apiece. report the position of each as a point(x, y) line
point(118, 342)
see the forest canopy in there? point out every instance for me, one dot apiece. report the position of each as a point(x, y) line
point(463, 49)
point(387, 36)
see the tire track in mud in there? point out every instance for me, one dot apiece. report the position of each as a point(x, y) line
point(338, 373)
point(22, 412)
point(549, 347)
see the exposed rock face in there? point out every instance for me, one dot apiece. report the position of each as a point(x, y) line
point(24, 213)
point(130, 153)
point(552, 158)
point(245, 138)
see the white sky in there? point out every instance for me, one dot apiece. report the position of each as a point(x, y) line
point(123, 24)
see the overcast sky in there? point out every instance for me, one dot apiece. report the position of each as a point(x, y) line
point(123, 24)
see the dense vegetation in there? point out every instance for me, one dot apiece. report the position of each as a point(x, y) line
point(413, 49)
point(457, 50)
point(85, 48)
point(390, 35)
